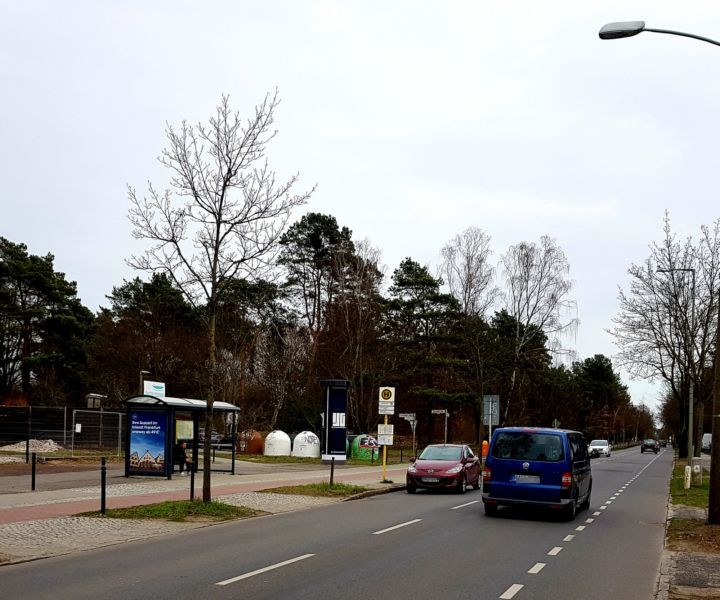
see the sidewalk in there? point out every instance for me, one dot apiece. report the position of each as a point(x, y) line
point(41, 524)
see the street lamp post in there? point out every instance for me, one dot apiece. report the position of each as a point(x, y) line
point(612, 31)
point(691, 360)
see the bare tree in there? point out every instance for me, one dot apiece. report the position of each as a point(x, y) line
point(668, 318)
point(220, 220)
point(537, 286)
point(466, 270)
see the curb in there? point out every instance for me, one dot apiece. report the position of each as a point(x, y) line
point(376, 492)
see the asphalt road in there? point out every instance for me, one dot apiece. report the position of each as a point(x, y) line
point(425, 546)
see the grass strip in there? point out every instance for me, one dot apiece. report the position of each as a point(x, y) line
point(693, 535)
point(180, 511)
point(695, 496)
point(322, 489)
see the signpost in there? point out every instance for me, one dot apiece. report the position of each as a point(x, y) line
point(386, 406)
point(491, 412)
point(410, 418)
point(442, 412)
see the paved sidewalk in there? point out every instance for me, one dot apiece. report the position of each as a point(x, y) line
point(41, 524)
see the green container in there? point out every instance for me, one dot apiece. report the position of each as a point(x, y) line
point(365, 447)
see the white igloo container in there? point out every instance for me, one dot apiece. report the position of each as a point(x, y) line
point(277, 443)
point(306, 444)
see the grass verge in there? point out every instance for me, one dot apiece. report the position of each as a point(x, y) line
point(693, 535)
point(180, 511)
point(695, 496)
point(323, 490)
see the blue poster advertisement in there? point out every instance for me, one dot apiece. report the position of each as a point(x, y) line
point(147, 442)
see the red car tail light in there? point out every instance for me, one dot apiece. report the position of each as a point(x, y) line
point(567, 479)
point(486, 474)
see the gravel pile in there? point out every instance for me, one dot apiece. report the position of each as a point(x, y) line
point(38, 446)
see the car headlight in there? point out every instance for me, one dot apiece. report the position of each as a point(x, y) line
point(454, 470)
point(412, 470)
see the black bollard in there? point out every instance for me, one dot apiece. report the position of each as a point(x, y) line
point(192, 481)
point(34, 460)
point(332, 471)
point(27, 450)
point(103, 478)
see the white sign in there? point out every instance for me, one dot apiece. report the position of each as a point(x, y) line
point(385, 440)
point(154, 388)
point(407, 416)
point(386, 404)
point(491, 410)
point(385, 430)
point(78, 427)
point(439, 412)
point(338, 419)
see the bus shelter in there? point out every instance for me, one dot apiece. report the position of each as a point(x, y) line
point(155, 425)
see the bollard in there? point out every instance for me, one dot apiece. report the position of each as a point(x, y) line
point(332, 471)
point(192, 481)
point(103, 478)
point(688, 474)
point(27, 450)
point(401, 456)
point(34, 460)
point(213, 453)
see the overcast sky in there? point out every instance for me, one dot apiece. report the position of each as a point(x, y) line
point(415, 119)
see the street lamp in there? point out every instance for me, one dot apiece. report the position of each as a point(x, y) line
point(612, 31)
point(691, 352)
point(141, 391)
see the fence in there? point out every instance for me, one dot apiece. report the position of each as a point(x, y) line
point(79, 431)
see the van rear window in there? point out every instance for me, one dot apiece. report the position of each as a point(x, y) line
point(521, 445)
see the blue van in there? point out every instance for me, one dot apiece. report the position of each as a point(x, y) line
point(530, 466)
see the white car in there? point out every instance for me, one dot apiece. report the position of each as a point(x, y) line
point(599, 446)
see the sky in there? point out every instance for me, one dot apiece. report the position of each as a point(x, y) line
point(415, 119)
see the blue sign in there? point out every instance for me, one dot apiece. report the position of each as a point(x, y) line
point(336, 392)
point(147, 442)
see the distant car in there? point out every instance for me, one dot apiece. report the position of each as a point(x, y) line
point(706, 444)
point(663, 443)
point(598, 447)
point(444, 466)
point(530, 466)
point(650, 446)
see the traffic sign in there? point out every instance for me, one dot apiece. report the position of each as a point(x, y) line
point(491, 410)
point(407, 416)
point(386, 403)
point(439, 412)
point(385, 440)
point(385, 429)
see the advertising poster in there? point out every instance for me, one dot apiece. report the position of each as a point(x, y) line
point(147, 443)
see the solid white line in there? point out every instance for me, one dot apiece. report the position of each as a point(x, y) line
point(555, 551)
point(580, 528)
point(264, 569)
point(537, 568)
point(509, 593)
point(464, 505)
point(396, 526)
point(568, 538)
point(589, 520)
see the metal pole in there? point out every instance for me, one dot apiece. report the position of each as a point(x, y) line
point(192, 481)
point(103, 478)
point(384, 459)
point(446, 416)
point(691, 398)
point(34, 458)
point(27, 449)
point(332, 471)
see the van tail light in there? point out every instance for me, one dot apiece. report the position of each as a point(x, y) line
point(487, 474)
point(567, 479)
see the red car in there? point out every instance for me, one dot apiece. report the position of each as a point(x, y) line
point(448, 466)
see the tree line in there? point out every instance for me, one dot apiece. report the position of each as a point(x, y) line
point(241, 304)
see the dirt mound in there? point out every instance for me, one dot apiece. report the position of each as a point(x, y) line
point(39, 446)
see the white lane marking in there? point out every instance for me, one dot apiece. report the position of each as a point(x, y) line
point(608, 502)
point(464, 505)
point(555, 551)
point(603, 507)
point(580, 528)
point(597, 513)
point(589, 520)
point(397, 526)
point(509, 593)
point(613, 497)
point(568, 538)
point(536, 568)
point(264, 569)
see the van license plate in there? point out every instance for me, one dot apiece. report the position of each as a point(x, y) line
point(431, 479)
point(527, 478)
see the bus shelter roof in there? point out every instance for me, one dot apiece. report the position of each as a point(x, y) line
point(181, 403)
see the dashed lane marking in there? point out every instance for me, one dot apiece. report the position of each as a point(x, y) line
point(536, 568)
point(509, 593)
point(597, 513)
point(464, 505)
point(397, 526)
point(264, 569)
point(568, 538)
point(589, 520)
point(555, 551)
point(580, 528)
